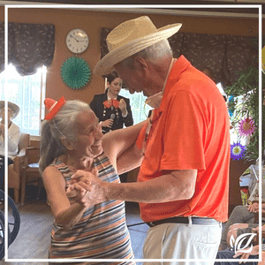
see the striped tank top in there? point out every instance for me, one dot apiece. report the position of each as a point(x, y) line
point(101, 233)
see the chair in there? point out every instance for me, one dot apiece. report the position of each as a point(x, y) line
point(30, 171)
point(14, 170)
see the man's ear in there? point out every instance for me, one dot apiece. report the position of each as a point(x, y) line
point(142, 67)
point(67, 144)
point(140, 63)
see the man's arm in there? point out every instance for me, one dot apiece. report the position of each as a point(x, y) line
point(171, 186)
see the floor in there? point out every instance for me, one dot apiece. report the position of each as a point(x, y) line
point(33, 239)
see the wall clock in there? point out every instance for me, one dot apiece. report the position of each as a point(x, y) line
point(77, 40)
point(75, 72)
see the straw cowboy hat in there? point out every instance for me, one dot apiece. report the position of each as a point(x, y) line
point(130, 37)
point(15, 108)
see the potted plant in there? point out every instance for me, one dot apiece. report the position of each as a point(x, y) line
point(243, 105)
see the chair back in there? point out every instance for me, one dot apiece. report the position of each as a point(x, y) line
point(23, 141)
point(33, 154)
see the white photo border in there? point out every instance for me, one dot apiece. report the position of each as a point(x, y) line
point(92, 6)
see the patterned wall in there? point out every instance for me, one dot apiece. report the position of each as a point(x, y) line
point(29, 46)
point(226, 55)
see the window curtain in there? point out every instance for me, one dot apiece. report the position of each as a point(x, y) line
point(241, 53)
point(226, 55)
point(29, 46)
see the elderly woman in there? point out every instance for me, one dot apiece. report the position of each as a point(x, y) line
point(71, 140)
point(13, 136)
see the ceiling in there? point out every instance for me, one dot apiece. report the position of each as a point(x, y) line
point(194, 2)
point(218, 7)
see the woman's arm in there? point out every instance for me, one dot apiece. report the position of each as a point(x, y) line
point(65, 213)
point(118, 145)
point(129, 159)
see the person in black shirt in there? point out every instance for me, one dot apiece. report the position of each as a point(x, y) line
point(112, 110)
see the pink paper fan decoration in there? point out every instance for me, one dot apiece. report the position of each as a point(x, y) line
point(246, 127)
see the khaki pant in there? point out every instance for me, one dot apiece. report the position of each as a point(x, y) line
point(197, 243)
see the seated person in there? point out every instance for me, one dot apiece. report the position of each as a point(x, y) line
point(249, 251)
point(241, 220)
point(13, 136)
point(238, 229)
point(71, 141)
point(112, 110)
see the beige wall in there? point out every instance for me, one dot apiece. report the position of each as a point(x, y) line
point(92, 22)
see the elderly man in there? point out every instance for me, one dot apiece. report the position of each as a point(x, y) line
point(182, 185)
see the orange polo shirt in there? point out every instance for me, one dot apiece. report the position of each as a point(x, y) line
point(190, 130)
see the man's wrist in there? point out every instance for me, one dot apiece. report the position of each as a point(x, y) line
point(111, 191)
point(106, 189)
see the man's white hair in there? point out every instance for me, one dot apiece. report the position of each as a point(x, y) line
point(152, 53)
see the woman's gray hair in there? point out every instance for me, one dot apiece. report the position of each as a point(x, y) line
point(153, 53)
point(63, 125)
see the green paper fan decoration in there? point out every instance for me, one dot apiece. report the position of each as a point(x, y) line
point(75, 72)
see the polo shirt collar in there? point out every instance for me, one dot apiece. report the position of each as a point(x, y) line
point(178, 67)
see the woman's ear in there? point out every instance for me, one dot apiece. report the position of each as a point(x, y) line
point(67, 144)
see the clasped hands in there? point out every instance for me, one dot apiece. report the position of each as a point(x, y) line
point(86, 188)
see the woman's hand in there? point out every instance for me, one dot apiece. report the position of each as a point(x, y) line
point(92, 184)
point(78, 193)
point(122, 107)
point(107, 123)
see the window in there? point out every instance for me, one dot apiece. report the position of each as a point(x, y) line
point(139, 108)
point(28, 92)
